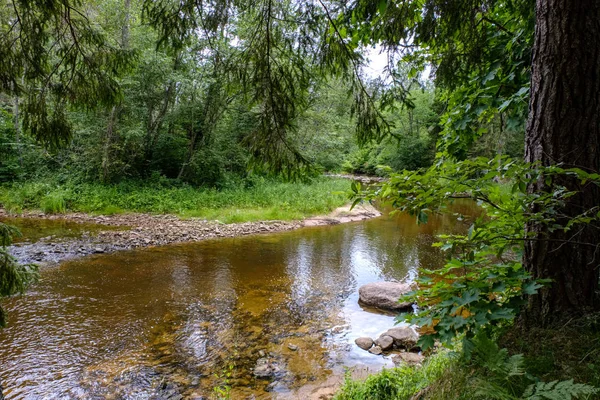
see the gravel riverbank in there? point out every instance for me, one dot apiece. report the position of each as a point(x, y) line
point(147, 230)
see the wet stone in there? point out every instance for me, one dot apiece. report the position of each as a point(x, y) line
point(384, 295)
point(375, 350)
point(266, 368)
point(404, 337)
point(385, 342)
point(364, 343)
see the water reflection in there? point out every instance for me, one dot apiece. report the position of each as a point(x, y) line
point(36, 229)
point(171, 320)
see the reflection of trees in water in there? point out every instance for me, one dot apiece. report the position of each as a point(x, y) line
point(189, 311)
point(401, 246)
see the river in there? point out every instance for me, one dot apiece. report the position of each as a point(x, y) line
point(185, 321)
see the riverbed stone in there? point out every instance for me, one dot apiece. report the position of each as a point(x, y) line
point(364, 343)
point(266, 368)
point(386, 342)
point(384, 295)
point(375, 350)
point(404, 337)
point(408, 358)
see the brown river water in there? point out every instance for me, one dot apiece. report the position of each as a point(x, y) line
point(182, 321)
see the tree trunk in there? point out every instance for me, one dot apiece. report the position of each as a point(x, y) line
point(564, 127)
point(108, 140)
point(17, 132)
point(125, 28)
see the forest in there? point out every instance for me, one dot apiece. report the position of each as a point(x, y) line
point(261, 112)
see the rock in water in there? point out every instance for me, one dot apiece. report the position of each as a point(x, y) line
point(266, 368)
point(404, 337)
point(364, 343)
point(375, 350)
point(384, 295)
point(292, 347)
point(385, 342)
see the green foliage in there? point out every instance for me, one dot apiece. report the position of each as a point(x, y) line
point(223, 391)
point(483, 371)
point(398, 383)
point(56, 57)
point(14, 277)
point(483, 283)
point(564, 390)
point(500, 376)
point(53, 203)
point(251, 200)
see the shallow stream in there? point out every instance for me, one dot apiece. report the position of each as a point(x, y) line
point(190, 320)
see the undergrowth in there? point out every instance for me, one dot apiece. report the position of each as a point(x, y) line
point(489, 372)
point(397, 383)
point(536, 364)
point(486, 371)
point(263, 200)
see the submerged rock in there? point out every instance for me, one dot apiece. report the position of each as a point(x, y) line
point(384, 295)
point(266, 368)
point(364, 343)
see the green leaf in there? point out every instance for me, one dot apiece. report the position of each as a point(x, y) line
point(531, 288)
point(468, 297)
point(501, 313)
point(426, 342)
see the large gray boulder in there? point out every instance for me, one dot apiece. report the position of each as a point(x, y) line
point(385, 342)
point(384, 295)
point(404, 337)
point(364, 343)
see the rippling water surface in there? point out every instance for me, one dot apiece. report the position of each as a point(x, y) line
point(174, 320)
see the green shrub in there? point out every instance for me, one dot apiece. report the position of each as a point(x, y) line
point(53, 203)
point(396, 383)
point(252, 200)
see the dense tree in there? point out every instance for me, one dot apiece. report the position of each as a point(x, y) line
point(564, 128)
point(274, 56)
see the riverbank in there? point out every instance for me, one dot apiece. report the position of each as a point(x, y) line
point(253, 200)
point(137, 230)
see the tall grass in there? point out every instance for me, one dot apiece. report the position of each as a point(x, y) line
point(264, 200)
point(400, 383)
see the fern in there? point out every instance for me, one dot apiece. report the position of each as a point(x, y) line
point(496, 360)
point(555, 390)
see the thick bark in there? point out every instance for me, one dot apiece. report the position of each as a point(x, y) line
point(564, 127)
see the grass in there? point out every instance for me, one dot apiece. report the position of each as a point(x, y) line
point(264, 200)
point(559, 362)
point(401, 383)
